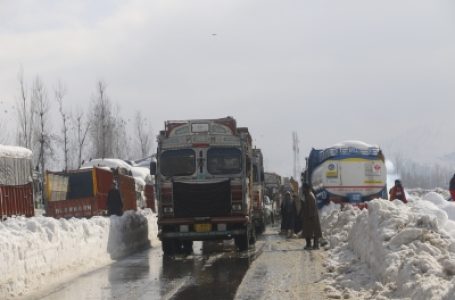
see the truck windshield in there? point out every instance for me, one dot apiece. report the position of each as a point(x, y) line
point(224, 161)
point(178, 162)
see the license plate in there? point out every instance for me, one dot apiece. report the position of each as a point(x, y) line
point(202, 227)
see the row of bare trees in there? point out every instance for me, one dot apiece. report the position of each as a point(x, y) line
point(422, 175)
point(98, 132)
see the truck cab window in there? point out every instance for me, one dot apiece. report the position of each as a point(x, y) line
point(178, 162)
point(222, 161)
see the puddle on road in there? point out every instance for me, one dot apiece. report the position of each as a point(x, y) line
point(214, 271)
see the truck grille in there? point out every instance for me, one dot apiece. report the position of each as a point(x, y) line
point(202, 200)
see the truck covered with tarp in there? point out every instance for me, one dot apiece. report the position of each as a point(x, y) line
point(16, 182)
point(83, 192)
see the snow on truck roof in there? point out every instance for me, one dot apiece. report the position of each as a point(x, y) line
point(354, 144)
point(106, 162)
point(139, 173)
point(15, 152)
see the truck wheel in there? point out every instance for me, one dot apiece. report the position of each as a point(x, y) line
point(260, 228)
point(187, 247)
point(253, 237)
point(168, 246)
point(243, 241)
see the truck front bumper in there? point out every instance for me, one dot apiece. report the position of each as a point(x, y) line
point(220, 228)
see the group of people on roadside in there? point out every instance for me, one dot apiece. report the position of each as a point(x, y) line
point(299, 212)
point(299, 215)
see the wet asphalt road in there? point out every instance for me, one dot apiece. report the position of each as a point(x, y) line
point(213, 271)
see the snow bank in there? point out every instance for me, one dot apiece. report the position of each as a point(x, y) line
point(393, 250)
point(43, 251)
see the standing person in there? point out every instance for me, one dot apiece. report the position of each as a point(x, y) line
point(452, 188)
point(287, 213)
point(397, 192)
point(298, 209)
point(114, 201)
point(310, 218)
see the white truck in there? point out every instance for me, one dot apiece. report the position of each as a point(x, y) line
point(348, 172)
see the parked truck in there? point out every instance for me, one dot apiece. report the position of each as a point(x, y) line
point(259, 212)
point(204, 183)
point(83, 192)
point(16, 182)
point(348, 172)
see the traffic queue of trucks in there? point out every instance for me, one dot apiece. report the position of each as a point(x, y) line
point(209, 183)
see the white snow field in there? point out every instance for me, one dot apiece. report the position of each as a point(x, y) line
point(391, 250)
point(39, 252)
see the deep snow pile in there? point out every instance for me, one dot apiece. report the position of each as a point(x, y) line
point(42, 251)
point(392, 250)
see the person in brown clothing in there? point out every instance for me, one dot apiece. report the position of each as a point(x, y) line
point(311, 226)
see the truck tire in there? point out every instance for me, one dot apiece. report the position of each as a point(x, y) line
point(187, 247)
point(260, 227)
point(169, 246)
point(243, 241)
point(253, 237)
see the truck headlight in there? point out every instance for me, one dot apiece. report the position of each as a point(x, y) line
point(168, 210)
point(237, 207)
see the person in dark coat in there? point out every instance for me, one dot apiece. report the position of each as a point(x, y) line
point(298, 203)
point(397, 192)
point(114, 201)
point(311, 226)
point(452, 187)
point(288, 214)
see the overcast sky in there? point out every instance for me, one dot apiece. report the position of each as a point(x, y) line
point(329, 70)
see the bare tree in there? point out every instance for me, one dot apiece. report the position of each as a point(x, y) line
point(42, 133)
point(25, 111)
point(144, 134)
point(59, 93)
point(102, 125)
point(3, 131)
point(120, 141)
point(82, 128)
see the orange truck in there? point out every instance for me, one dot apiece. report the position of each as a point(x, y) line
point(83, 192)
point(16, 183)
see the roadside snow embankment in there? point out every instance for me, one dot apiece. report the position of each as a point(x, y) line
point(392, 249)
point(41, 251)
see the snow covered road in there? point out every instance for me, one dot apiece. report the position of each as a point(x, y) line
point(390, 251)
point(284, 271)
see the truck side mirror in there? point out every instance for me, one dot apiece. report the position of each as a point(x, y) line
point(153, 168)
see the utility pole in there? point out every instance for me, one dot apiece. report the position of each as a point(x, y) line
point(296, 151)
